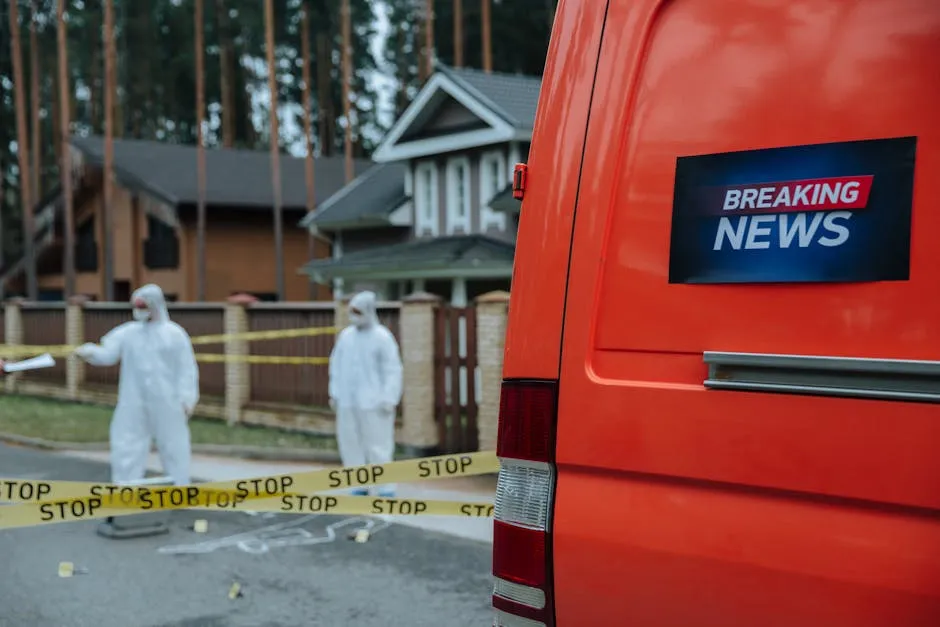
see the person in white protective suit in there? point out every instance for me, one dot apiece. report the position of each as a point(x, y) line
point(365, 388)
point(157, 392)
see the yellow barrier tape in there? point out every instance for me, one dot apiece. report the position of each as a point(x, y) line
point(49, 513)
point(38, 502)
point(64, 350)
point(276, 334)
point(213, 358)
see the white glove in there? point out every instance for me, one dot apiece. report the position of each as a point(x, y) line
point(387, 407)
point(85, 350)
point(188, 410)
point(333, 405)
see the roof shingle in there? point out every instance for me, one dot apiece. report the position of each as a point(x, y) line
point(234, 178)
point(512, 96)
point(368, 199)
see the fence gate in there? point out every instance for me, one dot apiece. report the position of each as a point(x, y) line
point(456, 378)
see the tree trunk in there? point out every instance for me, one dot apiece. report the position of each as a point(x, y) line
point(22, 149)
point(458, 33)
point(326, 120)
point(227, 83)
point(428, 57)
point(275, 153)
point(109, 76)
point(309, 175)
point(200, 156)
point(35, 105)
point(347, 77)
point(65, 167)
point(487, 39)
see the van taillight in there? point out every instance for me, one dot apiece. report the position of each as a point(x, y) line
point(522, 595)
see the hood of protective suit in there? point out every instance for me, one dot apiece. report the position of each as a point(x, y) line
point(365, 303)
point(152, 295)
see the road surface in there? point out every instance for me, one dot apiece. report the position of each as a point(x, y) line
point(288, 577)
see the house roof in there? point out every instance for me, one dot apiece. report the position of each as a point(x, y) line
point(234, 178)
point(505, 201)
point(367, 201)
point(452, 255)
point(505, 105)
point(513, 97)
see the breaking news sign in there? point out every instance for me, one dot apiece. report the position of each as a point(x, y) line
point(837, 212)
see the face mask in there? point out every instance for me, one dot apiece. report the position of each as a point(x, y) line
point(357, 319)
point(141, 315)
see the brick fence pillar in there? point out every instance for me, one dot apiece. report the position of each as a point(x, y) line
point(74, 336)
point(341, 313)
point(13, 335)
point(492, 309)
point(237, 373)
point(419, 433)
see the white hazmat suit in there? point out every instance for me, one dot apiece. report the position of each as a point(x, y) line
point(157, 392)
point(365, 388)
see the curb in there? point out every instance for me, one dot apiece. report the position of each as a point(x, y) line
point(222, 450)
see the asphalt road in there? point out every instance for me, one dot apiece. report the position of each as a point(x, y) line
point(401, 576)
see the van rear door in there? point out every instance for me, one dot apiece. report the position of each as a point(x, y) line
point(758, 209)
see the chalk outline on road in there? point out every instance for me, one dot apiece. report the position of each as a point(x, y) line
point(262, 540)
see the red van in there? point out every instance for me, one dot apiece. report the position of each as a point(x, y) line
point(722, 367)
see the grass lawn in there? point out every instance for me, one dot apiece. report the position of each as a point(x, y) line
point(74, 422)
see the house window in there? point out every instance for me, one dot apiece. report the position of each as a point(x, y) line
point(86, 248)
point(493, 178)
point(458, 195)
point(161, 249)
point(427, 218)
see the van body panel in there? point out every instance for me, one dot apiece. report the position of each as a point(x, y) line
point(686, 507)
point(547, 214)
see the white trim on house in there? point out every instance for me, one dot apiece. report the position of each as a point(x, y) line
point(500, 130)
point(401, 216)
point(338, 254)
point(458, 208)
point(427, 199)
point(490, 187)
point(515, 156)
point(445, 144)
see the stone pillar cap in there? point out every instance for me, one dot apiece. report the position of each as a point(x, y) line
point(421, 297)
point(16, 300)
point(499, 296)
point(78, 300)
point(241, 299)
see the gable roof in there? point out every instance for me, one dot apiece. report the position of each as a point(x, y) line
point(234, 178)
point(367, 201)
point(513, 96)
point(505, 104)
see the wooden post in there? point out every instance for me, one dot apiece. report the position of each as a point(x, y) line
point(347, 78)
point(487, 38)
point(68, 257)
point(22, 150)
point(200, 157)
point(108, 150)
point(275, 156)
point(458, 33)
